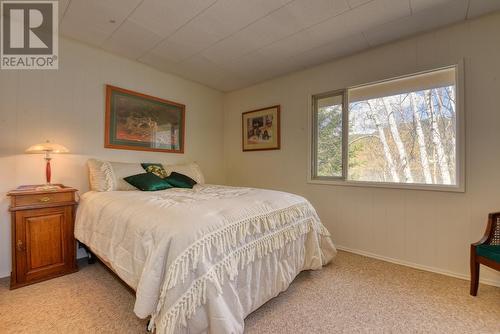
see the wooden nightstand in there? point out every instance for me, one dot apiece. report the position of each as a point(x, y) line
point(43, 244)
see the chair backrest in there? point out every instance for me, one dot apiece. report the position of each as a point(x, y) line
point(494, 238)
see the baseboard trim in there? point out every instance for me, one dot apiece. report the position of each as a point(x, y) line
point(80, 255)
point(415, 265)
point(387, 259)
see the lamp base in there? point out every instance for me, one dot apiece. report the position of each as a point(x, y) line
point(47, 187)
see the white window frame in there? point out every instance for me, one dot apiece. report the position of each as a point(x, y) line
point(345, 106)
point(344, 181)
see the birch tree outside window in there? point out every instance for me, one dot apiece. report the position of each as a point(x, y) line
point(399, 131)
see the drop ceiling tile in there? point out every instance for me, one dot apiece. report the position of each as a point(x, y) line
point(221, 20)
point(173, 51)
point(419, 5)
point(260, 66)
point(421, 21)
point(231, 48)
point(332, 50)
point(228, 16)
point(199, 65)
point(292, 45)
point(286, 21)
point(63, 5)
point(228, 84)
point(89, 20)
point(307, 12)
point(481, 7)
point(263, 32)
point(275, 69)
point(275, 26)
point(165, 17)
point(357, 3)
point(158, 62)
point(361, 19)
point(131, 40)
point(230, 44)
point(201, 70)
point(249, 62)
point(195, 37)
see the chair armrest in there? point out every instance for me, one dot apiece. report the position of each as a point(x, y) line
point(492, 227)
point(480, 242)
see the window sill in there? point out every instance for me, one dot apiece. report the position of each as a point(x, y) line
point(364, 184)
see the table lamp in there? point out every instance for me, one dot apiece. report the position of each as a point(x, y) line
point(47, 148)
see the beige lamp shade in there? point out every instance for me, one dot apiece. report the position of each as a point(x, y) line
point(47, 147)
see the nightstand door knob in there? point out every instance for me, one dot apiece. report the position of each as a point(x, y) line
point(20, 246)
point(45, 199)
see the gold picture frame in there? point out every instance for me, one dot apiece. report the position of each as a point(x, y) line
point(136, 121)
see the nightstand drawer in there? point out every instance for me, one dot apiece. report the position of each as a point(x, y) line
point(43, 199)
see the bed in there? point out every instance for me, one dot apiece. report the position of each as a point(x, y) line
point(200, 260)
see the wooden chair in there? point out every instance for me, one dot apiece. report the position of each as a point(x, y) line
point(486, 251)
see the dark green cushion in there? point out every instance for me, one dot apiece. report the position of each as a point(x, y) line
point(155, 168)
point(147, 182)
point(180, 180)
point(491, 252)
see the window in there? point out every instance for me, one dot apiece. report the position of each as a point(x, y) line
point(402, 131)
point(329, 150)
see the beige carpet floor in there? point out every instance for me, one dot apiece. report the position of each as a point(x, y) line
point(354, 294)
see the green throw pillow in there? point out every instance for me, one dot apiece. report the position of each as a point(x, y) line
point(156, 169)
point(148, 182)
point(180, 180)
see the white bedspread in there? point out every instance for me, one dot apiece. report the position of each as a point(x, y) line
point(202, 259)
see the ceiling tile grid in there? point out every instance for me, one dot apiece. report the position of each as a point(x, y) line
point(131, 40)
point(291, 19)
point(421, 21)
point(231, 44)
point(481, 7)
point(94, 21)
point(164, 17)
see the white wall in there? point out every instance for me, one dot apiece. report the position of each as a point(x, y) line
point(432, 230)
point(67, 107)
point(427, 229)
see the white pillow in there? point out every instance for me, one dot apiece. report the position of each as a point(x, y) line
point(108, 176)
point(189, 169)
point(101, 176)
point(124, 169)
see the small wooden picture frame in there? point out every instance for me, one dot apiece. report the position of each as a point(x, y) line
point(136, 121)
point(261, 129)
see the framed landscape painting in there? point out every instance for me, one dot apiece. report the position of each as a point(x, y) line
point(261, 129)
point(141, 122)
